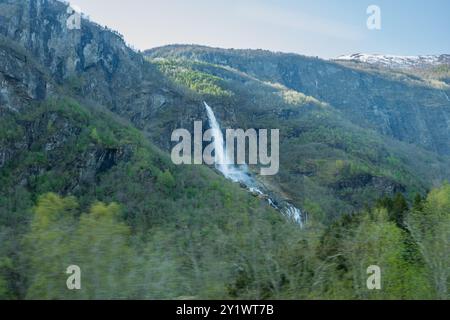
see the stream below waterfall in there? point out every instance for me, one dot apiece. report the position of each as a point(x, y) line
point(240, 174)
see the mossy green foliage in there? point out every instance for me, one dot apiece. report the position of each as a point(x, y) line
point(186, 74)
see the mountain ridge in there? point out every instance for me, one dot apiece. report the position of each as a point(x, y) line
point(397, 61)
point(353, 91)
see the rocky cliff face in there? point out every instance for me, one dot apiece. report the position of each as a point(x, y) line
point(93, 61)
point(21, 79)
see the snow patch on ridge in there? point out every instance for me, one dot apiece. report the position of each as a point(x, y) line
point(395, 61)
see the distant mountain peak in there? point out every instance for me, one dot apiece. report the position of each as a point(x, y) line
point(397, 61)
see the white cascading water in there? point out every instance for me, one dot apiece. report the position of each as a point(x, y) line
point(222, 162)
point(295, 214)
point(241, 174)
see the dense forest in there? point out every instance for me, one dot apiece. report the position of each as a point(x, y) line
point(217, 257)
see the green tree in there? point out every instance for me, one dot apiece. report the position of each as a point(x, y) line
point(5, 266)
point(96, 242)
point(47, 246)
point(378, 241)
point(100, 246)
point(166, 180)
point(399, 210)
point(430, 228)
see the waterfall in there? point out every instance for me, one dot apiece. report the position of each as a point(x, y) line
point(221, 160)
point(295, 214)
point(240, 173)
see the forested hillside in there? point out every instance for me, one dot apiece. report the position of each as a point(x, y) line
point(329, 165)
point(86, 177)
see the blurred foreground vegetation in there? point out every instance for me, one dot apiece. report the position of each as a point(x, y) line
point(214, 256)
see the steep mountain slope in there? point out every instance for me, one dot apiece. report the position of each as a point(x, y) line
point(398, 105)
point(62, 147)
point(328, 164)
point(50, 141)
point(93, 61)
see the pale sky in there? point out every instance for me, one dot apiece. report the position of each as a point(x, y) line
point(325, 28)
